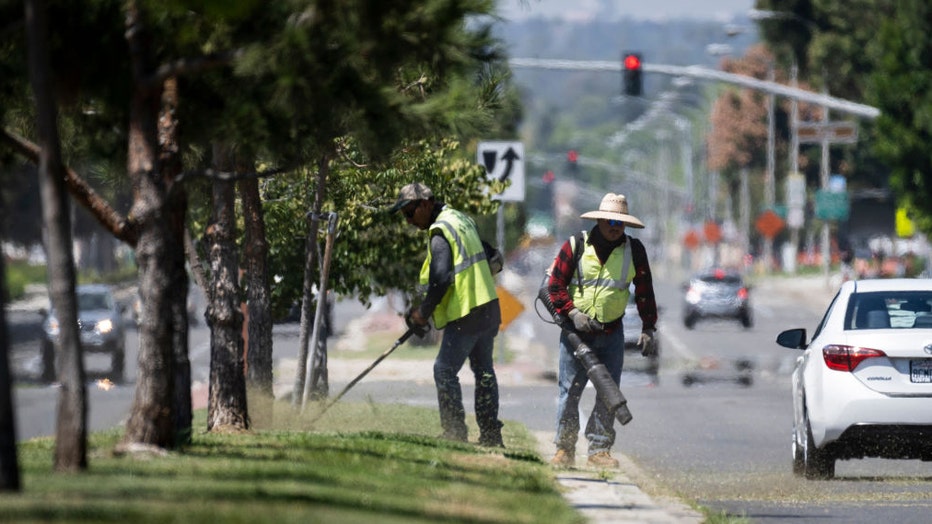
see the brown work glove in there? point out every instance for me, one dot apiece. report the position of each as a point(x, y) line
point(648, 342)
point(583, 323)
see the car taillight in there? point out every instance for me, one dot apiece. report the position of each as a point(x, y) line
point(743, 293)
point(847, 358)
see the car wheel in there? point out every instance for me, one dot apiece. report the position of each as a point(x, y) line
point(746, 320)
point(47, 354)
point(689, 321)
point(818, 464)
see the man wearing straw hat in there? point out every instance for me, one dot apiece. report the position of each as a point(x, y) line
point(589, 285)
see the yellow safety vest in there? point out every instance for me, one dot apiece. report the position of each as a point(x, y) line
point(472, 279)
point(603, 292)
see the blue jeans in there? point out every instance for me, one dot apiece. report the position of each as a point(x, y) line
point(476, 344)
point(600, 430)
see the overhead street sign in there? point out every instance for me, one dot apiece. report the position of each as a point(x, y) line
point(504, 161)
point(832, 132)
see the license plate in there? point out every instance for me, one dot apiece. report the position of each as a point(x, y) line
point(920, 370)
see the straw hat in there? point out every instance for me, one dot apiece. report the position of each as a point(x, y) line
point(614, 207)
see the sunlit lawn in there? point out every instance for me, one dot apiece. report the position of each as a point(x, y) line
point(360, 463)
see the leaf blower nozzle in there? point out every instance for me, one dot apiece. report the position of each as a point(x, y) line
point(598, 374)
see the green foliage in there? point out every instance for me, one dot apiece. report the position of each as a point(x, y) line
point(19, 274)
point(375, 251)
point(363, 463)
point(368, 83)
point(901, 86)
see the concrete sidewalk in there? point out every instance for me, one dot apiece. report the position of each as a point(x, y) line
point(615, 496)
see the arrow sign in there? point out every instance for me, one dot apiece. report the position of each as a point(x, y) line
point(504, 161)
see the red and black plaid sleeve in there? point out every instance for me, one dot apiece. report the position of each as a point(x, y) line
point(561, 273)
point(643, 285)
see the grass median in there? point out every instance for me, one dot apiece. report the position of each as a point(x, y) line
point(359, 463)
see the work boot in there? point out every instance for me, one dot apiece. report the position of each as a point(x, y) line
point(454, 436)
point(564, 458)
point(491, 441)
point(490, 434)
point(602, 459)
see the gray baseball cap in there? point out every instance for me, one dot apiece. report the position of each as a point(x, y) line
point(411, 193)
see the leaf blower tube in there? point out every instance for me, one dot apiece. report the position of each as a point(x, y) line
point(598, 374)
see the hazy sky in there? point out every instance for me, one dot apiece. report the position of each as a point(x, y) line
point(723, 10)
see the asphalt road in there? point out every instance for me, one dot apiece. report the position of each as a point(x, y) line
point(719, 442)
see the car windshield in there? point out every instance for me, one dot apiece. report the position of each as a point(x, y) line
point(890, 309)
point(92, 301)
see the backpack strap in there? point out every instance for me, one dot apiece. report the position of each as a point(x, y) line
point(577, 242)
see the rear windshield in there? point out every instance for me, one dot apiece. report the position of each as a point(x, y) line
point(882, 310)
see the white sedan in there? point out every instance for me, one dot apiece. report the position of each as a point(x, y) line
point(863, 386)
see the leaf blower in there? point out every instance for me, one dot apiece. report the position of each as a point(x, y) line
point(598, 374)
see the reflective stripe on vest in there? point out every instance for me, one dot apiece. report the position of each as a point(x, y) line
point(473, 284)
point(604, 293)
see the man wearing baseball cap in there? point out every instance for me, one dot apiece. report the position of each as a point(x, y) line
point(461, 300)
point(589, 285)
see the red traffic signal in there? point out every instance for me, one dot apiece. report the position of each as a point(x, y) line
point(632, 83)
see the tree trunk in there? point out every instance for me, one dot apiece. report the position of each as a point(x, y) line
point(71, 430)
point(258, 298)
point(226, 407)
point(9, 465)
point(171, 166)
point(151, 420)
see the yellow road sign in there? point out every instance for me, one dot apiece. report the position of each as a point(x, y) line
point(511, 307)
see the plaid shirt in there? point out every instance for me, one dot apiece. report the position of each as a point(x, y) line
point(564, 270)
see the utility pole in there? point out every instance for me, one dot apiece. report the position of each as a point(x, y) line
point(794, 162)
point(823, 184)
point(770, 176)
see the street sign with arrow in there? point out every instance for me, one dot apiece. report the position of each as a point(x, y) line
point(504, 161)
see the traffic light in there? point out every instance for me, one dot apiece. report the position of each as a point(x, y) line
point(572, 164)
point(631, 65)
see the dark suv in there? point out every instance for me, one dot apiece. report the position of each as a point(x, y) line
point(717, 293)
point(100, 321)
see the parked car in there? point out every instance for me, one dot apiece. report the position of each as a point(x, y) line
point(863, 386)
point(632, 327)
point(100, 322)
point(717, 294)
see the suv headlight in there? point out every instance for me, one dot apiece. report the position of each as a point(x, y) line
point(105, 326)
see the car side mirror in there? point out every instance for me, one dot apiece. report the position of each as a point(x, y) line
point(793, 338)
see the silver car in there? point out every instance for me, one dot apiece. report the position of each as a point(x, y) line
point(717, 294)
point(100, 321)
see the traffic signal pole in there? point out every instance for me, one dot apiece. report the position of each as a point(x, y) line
point(703, 73)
